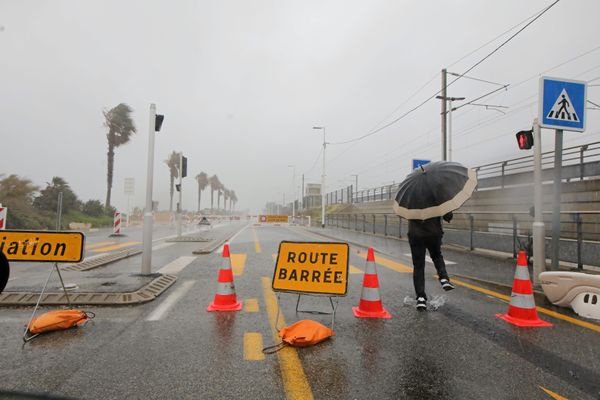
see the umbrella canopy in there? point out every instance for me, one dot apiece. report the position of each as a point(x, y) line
point(434, 189)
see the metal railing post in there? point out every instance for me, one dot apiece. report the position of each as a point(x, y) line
point(471, 219)
point(374, 224)
point(579, 240)
point(502, 179)
point(384, 224)
point(364, 223)
point(514, 232)
point(356, 222)
point(399, 226)
point(581, 150)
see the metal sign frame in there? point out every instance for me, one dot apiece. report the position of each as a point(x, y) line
point(553, 90)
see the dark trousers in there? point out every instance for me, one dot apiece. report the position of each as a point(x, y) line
point(418, 245)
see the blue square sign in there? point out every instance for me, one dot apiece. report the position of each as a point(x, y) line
point(562, 104)
point(417, 163)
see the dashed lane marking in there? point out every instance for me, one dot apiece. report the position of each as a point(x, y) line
point(168, 303)
point(251, 305)
point(116, 246)
point(253, 345)
point(256, 241)
point(429, 260)
point(238, 262)
point(295, 383)
point(550, 393)
point(93, 246)
point(176, 266)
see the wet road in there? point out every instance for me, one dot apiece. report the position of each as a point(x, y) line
point(173, 348)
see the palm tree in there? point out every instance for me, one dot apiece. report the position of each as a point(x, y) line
point(202, 179)
point(233, 199)
point(173, 164)
point(225, 198)
point(214, 183)
point(120, 128)
point(219, 193)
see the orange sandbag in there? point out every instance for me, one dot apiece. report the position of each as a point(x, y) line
point(59, 319)
point(305, 333)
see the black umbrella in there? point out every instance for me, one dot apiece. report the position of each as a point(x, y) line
point(434, 189)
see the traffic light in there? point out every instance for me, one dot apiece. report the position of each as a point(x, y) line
point(158, 120)
point(525, 139)
point(183, 167)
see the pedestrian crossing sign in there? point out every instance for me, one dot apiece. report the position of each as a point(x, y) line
point(562, 104)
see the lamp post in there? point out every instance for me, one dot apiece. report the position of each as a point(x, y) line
point(322, 178)
point(294, 194)
point(450, 109)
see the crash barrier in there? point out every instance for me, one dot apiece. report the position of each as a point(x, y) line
point(43, 246)
point(521, 309)
point(225, 299)
point(312, 269)
point(577, 290)
point(370, 304)
point(503, 231)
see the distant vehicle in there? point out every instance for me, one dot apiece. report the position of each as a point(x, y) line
point(204, 221)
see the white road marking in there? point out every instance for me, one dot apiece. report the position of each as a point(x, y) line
point(164, 307)
point(162, 246)
point(231, 239)
point(174, 267)
point(429, 260)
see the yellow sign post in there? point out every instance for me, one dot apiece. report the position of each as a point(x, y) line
point(312, 268)
point(42, 246)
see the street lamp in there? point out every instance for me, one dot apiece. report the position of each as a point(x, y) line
point(295, 194)
point(322, 178)
point(450, 109)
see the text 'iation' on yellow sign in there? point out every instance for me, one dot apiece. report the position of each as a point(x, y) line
point(312, 267)
point(42, 246)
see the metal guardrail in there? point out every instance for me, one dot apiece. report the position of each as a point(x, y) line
point(580, 162)
point(578, 227)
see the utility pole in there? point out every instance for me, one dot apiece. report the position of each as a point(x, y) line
point(558, 150)
point(148, 215)
point(302, 194)
point(444, 95)
point(180, 194)
point(322, 178)
point(294, 193)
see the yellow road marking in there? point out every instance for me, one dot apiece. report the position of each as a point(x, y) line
point(253, 345)
point(93, 246)
point(354, 270)
point(294, 379)
point(238, 262)
point(251, 305)
point(552, 394)
point(115, 247)
point(256, 242)
point(393, 265)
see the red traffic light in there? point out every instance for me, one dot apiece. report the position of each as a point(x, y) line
point(525, 139)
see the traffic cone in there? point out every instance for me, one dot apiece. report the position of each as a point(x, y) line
point(521, 310)
point(225, 299)
point(370, 305)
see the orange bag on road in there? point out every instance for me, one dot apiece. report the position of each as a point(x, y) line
point(303, 333)
point(59, 319)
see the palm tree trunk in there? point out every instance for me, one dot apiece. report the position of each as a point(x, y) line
point(212, 201)
point(199, 197)
point(171, 191)
point(109, 173)
point(218, 201)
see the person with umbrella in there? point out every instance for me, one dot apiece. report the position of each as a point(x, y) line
point(427, 195)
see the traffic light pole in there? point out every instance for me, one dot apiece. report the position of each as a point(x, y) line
point(180, 194)
point(148, 217)
point(539, 229)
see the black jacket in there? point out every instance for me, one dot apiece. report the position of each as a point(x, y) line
point(431, 227)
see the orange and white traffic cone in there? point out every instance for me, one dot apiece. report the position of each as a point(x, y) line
point(225, 299)
point(370, 305)
point(521, 310)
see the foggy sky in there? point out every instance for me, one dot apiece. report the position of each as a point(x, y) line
point(242, 83)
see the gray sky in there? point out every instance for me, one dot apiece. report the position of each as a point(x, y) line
point(241, 83)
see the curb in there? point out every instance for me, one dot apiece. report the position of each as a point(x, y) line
point(145, 294)
point(86, 265)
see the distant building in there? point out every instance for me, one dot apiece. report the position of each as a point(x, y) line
point(312, 195)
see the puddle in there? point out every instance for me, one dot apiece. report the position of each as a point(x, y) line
point(432, 304)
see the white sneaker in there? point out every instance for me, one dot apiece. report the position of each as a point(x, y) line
point(421, 304)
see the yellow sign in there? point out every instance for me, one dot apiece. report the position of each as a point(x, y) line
point(273, 218)
point(305, 267)
point(42, 246)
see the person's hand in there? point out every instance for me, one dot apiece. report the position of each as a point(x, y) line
point(448, 216)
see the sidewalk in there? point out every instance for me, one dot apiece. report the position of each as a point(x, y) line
point(496, 269)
